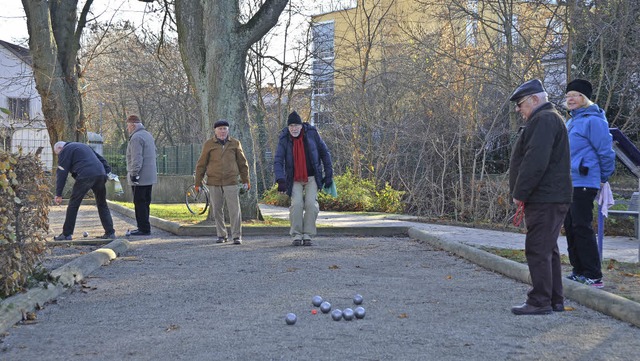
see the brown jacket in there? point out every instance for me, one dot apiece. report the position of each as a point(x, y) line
point(222, 163)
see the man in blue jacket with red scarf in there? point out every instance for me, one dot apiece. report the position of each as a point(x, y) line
point(302, 165)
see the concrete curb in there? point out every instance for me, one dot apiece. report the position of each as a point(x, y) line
point(210, 230)
point(599, 300)
point(13, 308)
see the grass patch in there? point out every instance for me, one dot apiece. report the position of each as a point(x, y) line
point(620, 278)
point(180, 214)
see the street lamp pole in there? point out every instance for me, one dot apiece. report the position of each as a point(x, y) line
point(100, 124)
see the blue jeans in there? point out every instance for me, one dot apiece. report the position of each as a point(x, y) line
point(80, 189)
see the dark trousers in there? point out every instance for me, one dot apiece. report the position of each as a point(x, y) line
point(581, 239)
point(544, 221)
point(141, 202)
point(79, 190)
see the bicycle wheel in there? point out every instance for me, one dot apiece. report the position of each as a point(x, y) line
point(197, 202)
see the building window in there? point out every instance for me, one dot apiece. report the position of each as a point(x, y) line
point(322, 80)
point(19, 108)
point(471, 28)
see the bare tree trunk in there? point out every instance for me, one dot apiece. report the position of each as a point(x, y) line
point(214, 46)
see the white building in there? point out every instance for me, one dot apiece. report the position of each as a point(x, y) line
point(22, 124)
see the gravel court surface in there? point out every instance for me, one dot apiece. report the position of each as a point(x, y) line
point(172, 298)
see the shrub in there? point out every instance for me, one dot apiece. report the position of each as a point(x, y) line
point(24, 199)
point(354, 194)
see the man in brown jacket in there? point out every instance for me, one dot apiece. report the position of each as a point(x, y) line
point(223, 160)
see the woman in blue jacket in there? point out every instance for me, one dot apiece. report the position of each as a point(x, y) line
point(592, 163)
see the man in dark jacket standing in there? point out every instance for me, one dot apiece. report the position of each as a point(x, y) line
point(540, 183)
point(142, 172)
point(90, 172)
point(299, 162)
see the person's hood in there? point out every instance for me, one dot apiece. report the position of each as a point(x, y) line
point(590, 111)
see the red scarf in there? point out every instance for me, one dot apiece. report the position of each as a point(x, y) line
point(299, 160)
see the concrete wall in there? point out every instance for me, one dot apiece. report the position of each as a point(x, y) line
point(170, 189)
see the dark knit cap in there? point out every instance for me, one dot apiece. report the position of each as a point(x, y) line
point(133, 119)
point(294, 118)
point(220, 123)
point(533, 86)
point(581, 86)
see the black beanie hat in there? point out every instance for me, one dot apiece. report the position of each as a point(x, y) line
point(581, 86)
point(220, 123)
point(294, 118)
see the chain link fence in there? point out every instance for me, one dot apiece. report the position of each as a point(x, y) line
point(171, 160)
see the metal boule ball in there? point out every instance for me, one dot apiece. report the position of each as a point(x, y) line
point(347, 314)
point(359, 312)
point(317, 301)
point(357, 299)
point(336, 314)
point(85, 234)
point(291, 318)
point(325, 307)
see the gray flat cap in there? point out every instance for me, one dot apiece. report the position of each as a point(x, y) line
point(532, 86)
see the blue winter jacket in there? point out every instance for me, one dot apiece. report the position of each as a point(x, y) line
point(315, 149)
point(81, 161)
point(592, 154)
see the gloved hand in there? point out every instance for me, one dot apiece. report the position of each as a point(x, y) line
point(327, 182)
point(282, 185)
point(246, 186)
point(134, 178)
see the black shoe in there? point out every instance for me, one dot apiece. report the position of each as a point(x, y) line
point(237, 241)
point(297, 242)
point(221, 240)
point(558, 307)
point(137, 232)
point(62, 237)
point(527, 309)
point(307, 242)
point(108, 236)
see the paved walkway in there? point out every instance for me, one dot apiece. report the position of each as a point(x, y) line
point(623, 249)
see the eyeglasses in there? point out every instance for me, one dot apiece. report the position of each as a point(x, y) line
point(518, 104)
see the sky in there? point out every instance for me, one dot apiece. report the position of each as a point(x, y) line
point(13, 22)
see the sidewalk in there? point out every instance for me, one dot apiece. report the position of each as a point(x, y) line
point(623, 249)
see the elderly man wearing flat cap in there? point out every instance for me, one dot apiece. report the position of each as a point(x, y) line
point(142, 172)
point(540, 184)
point(223, 161)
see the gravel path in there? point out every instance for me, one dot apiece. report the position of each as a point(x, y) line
point(172, 298)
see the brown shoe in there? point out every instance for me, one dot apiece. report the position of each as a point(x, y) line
point(527, 309)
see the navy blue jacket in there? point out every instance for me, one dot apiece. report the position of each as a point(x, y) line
point(315, 149)
point(81, 161)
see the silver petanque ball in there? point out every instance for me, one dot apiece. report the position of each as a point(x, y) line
point(85, 234)
point(336, 314)
point(357, 299)
point(316, 300)
point(325, 307)
point(347, 314)
point(359, 312)
point(291, 318)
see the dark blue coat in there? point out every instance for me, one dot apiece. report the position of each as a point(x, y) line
point(81, 161)
point(315, 149)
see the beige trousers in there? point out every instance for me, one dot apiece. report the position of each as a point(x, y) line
point(229, 195)
point(304, 209)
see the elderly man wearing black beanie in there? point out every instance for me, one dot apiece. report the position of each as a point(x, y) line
point(540, 185)
point(302, 165)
